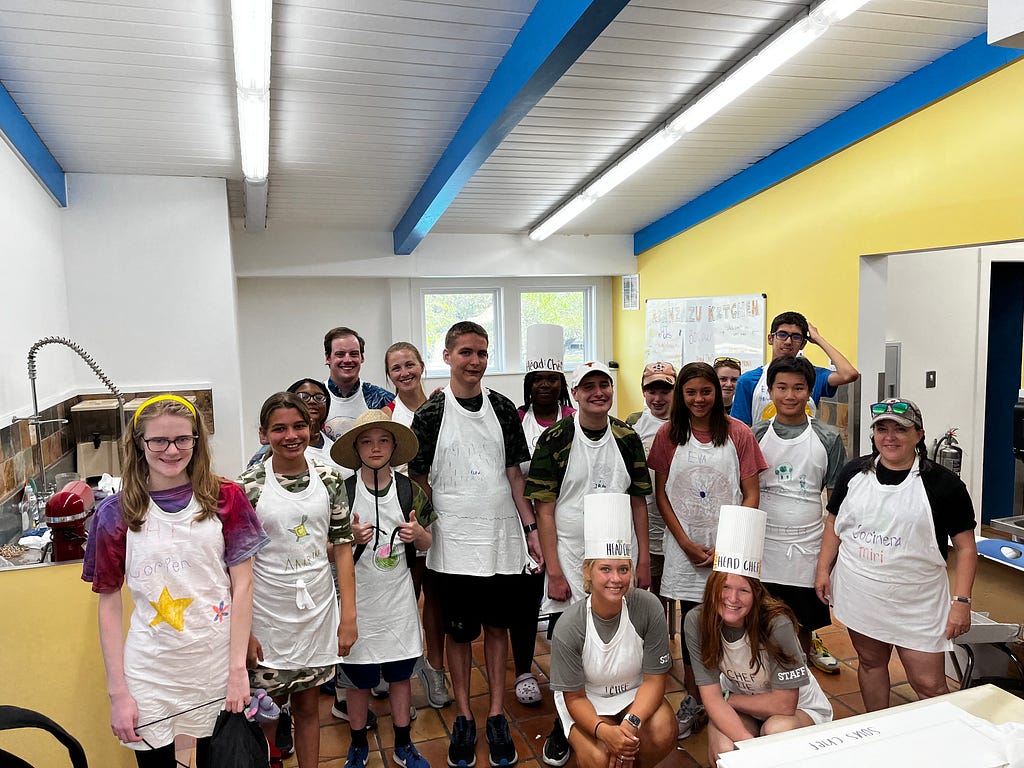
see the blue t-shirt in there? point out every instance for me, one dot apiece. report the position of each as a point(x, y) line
point(748, 383)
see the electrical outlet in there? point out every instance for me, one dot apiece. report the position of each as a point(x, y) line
point(929, 379)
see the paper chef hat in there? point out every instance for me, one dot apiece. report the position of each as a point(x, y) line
point(607, 526)
point(739, 545)
point(545, 348)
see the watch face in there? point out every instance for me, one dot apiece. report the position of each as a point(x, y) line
point(633, 720)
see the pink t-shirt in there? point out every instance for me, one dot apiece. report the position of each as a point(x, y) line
point(751, 459)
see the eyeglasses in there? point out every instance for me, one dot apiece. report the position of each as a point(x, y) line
point(307, 397)
point(732, 362)
point(899, 408)
point(161, 444)
point(798, 338)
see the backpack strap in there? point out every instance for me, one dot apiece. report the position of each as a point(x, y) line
point(350, 491)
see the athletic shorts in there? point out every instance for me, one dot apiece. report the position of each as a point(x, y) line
point(366, 676)
point(685, 606)
point(810, 612)
point(469, 603)
point(657, 569)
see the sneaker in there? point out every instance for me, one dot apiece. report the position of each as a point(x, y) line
point(691, 716)
point(462, 750)
point(499, 737)
point(283, 739)
point(412, 713)
point(380, 690)
point(821, 658)
point(434, 685)
point(409, 757)
point(357, 757)
point(340, 711)
point(556, 747)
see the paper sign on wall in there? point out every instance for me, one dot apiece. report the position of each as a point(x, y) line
point(702, 328)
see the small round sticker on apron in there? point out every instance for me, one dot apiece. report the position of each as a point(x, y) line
point(385, 557)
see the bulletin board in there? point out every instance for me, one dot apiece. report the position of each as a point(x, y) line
point(702, 328)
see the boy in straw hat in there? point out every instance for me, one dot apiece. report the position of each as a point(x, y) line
point(610, 652)
point(743, 642)
point(390, 515)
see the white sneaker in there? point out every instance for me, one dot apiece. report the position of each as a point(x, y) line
point(434, 685)
point(821, 658)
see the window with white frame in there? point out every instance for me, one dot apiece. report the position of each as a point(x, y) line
point(505, 308)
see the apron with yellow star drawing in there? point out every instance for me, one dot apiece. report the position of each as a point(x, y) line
point(176, 651)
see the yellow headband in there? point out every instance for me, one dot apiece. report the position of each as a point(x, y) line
point(158, 398)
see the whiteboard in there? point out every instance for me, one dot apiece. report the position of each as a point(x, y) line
point(701, 328)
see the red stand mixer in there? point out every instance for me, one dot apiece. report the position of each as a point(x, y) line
point(66, 514)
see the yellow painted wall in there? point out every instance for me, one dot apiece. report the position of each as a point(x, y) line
point(50, 661)
point(950, 175)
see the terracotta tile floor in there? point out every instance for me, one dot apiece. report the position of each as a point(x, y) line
point(530, 725)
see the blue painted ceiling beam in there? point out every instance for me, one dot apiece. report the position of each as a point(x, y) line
point(957, 69)
point(552, 38)
point(26, 142)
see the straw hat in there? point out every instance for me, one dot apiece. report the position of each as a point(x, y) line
point(344, 449)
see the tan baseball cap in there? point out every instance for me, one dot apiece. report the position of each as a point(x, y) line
point(659, 372)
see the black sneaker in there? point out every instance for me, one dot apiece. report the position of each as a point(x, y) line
point(283, 736)
point(340, 711)
point(503, 751)
point(462, 750)
point(556, 747)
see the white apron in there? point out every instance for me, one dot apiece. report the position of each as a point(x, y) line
point(761, 405)
point(791, 496)
point(595, 466)
point(402, 413)
point(647, 427)
point(701, 478)
point(532, 429)
point(176, 653)
point(478, 531)
point(613, 671)
point(737, 676)
point(386, 615)
point(294, 601)
point(343, 411)
point(889, 581)
point(323, 455)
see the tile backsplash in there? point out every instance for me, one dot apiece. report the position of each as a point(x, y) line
point(18, 448)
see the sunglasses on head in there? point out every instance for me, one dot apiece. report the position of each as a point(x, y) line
point(899, 408)
point(732, 362)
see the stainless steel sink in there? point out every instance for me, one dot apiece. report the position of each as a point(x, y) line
point(1011, 525)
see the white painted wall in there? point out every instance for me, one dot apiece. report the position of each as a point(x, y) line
point(33, 303)
point(936, 318)
point(152, 291)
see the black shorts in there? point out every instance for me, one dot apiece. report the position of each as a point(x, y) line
point(366, 676)
point(471, 602)
point(810, 612)
point(657, 569)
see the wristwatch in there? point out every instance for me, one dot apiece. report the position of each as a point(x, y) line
point(632, 720)
point(959, 599)
point(529, 528)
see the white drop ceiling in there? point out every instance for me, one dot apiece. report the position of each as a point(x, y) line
point(366, 95)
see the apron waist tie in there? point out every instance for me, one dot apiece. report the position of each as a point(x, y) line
point(303, 600)
point(791, 547)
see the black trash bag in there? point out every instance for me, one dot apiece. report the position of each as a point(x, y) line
point(238, 743)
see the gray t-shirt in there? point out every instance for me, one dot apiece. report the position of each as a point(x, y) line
point(828, 435)
point(645, 614)
point(782, 676)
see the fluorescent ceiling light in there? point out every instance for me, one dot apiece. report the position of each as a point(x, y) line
point(250, 28)
point(755, 68)
point(562, 216)
point(254, 135)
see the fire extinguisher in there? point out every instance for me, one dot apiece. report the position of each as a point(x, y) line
point(947, 453)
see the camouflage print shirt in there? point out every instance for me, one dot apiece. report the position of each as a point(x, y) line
point(551, 457)
point(340, 527)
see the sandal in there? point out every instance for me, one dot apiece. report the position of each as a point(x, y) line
point(527, 689)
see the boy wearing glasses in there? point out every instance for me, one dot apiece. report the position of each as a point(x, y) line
point(790, 333)
point(804, 457)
